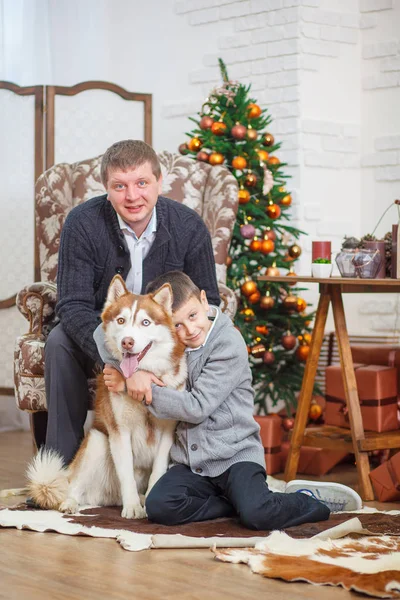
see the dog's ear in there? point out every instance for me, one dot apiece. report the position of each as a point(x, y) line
point(116, 289)
point(163, 297)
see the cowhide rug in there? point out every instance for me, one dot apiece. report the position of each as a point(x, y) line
point(368, 564)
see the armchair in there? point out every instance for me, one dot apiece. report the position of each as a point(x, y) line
point(210, 191)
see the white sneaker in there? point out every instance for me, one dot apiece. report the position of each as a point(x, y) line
point(335, 496)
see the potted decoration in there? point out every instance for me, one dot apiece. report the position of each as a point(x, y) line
point(321, 268)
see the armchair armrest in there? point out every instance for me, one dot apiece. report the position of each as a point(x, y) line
point(228, 300)
point(37, 302)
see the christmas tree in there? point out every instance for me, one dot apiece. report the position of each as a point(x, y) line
point(231, 129)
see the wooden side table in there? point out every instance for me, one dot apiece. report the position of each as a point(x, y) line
point(335, 438)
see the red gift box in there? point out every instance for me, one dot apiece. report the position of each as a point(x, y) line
point(271, 438)
point(314, 461)
point(377, 391)
point(386, 479)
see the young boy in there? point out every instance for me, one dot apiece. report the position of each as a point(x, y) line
point(218, 467)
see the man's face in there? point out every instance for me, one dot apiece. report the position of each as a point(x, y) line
point(191, 321)
point(133, 194)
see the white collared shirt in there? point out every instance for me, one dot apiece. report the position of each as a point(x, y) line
point(138, 249)
point(213, 312)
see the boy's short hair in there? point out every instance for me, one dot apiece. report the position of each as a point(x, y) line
point(182, 287)
point(128, 154)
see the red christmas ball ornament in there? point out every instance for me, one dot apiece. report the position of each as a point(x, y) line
point(288, 423)
point(202, 156)
point(273, 211)
point(268, 357)
point(288, 341)
point(218, 128)
point(268, 139)
point(184, 149)
point(251, 180)
point(270, 234)
point(206, 122)
point(239, 131)
point(253, 111)
point(247, 231)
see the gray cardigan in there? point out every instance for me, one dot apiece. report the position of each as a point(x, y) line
point(216, 427)
point(93, 249)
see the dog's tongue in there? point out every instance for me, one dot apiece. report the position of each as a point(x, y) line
point(129, 364)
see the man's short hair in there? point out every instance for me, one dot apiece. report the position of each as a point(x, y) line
point(128, 154)
point(182, 287)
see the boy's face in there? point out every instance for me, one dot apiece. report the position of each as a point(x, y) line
point(191, 321)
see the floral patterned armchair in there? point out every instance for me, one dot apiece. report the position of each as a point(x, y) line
point(210, 191)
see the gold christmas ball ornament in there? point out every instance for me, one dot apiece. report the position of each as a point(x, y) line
point(254, 298)
point(294, 251)
point(184, 149)
point(273, 271)
point(267, 302)
point(250, 180)
point(258, 350)
point(252, 134)
point(206, 122)
point(202, 156)
point(290, 302)
point(239, 131)
point(268, 357)
point(216, 158)
point(286, 200)
point(274, 160)
point(262, 329)
point(248, 314)
point(301, 304)
point(195, 144)
point(288, 341)
point(302, 353)
point(253, 111)
point(291, 274)
point(315, 411)
point(244, 196)
point(239, 162)
point(273, 211)
point(268, 139)
point(218, 128)
point(263, 155)
point(255, 245)
point(307, 338)
point(249, 287)
point(282, 189)
point(267, 246)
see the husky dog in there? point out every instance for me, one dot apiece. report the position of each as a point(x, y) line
point(127, 449)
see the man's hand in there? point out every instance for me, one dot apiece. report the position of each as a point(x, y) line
point(139, 385)
point(114, 380)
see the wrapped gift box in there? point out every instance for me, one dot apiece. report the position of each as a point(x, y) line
point(314, 461)
point(386, 479)
point(378, 354)
point(271, 437)
point(377, 391)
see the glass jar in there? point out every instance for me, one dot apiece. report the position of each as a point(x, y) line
point(358, 262)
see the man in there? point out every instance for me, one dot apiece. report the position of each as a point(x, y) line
point(134, 231)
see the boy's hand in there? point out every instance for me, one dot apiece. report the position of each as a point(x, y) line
point(114, 380)
point(139, 385)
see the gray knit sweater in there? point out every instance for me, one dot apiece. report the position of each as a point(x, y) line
point(216, 427)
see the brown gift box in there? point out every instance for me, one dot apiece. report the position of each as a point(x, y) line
point(377, 354)
point(314, 461)
point(386, 479)
point(271, 438)
point(377, 391)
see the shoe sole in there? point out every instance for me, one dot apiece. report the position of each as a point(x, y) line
point(353, 500)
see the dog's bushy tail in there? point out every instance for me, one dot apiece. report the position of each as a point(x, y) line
point(47, 479)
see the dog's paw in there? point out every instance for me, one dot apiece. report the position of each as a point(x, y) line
point(135, 511)
point(69, 506)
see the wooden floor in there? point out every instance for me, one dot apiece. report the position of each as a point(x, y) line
point(58, 567)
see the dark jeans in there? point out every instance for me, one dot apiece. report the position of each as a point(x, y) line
point(67, 369)
point(181, 496)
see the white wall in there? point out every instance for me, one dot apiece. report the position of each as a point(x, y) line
point(327, 70)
